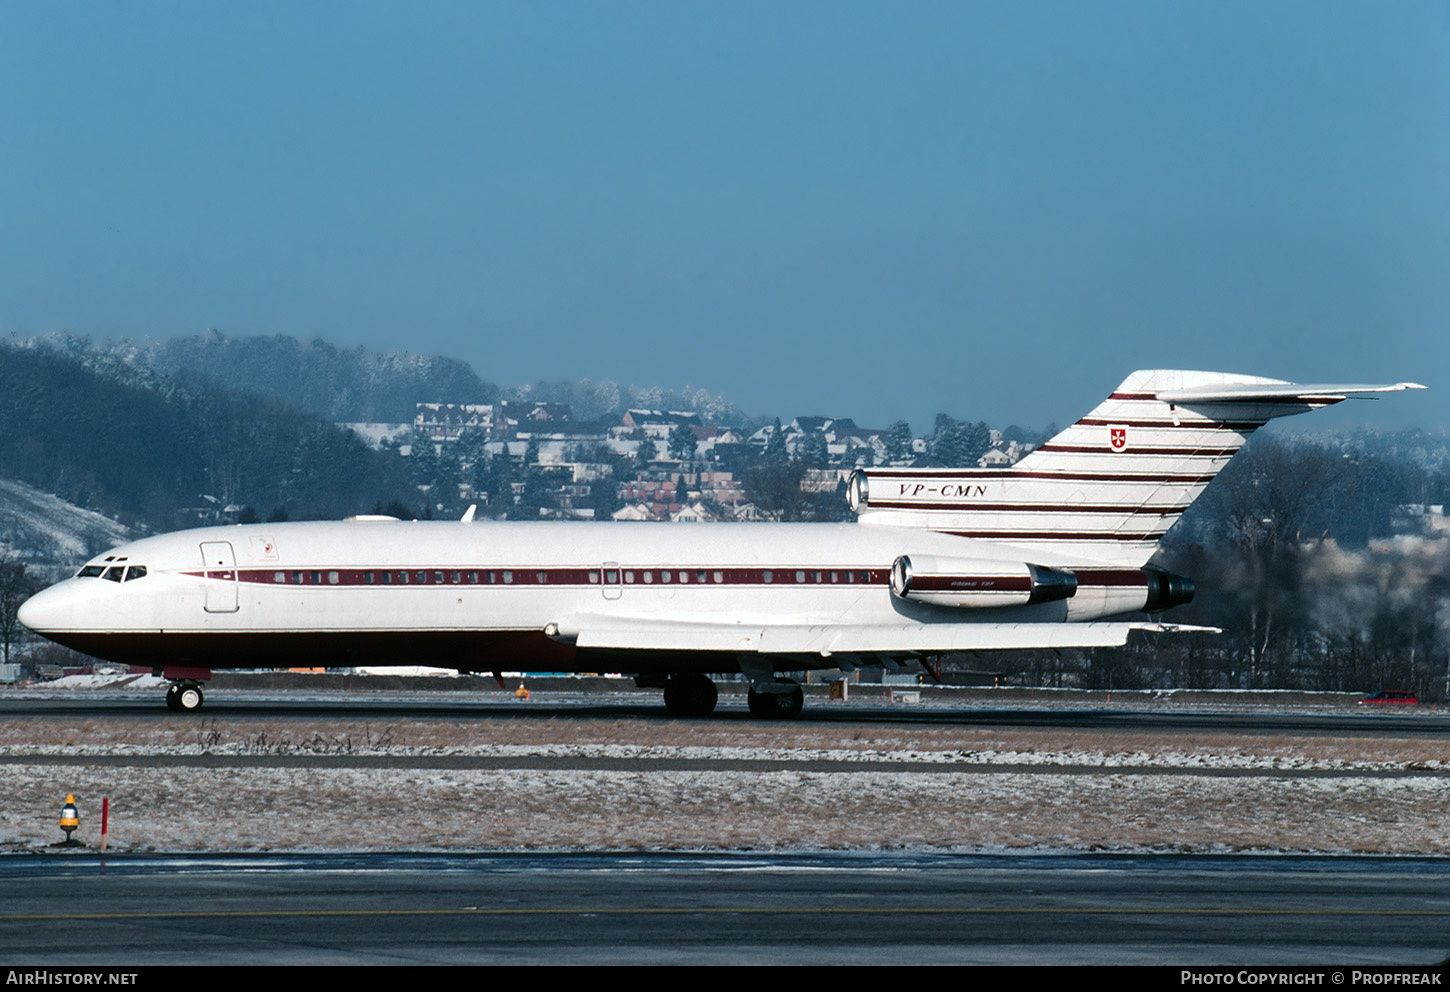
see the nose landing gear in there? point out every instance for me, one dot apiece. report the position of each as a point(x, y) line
point(184, 697)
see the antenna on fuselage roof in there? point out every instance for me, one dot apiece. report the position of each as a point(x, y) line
point(468, 514)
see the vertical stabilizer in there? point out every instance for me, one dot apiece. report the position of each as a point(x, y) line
point(1111, 485)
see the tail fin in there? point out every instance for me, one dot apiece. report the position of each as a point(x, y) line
point(1111, 485)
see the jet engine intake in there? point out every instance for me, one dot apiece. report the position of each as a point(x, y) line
point(976, 583)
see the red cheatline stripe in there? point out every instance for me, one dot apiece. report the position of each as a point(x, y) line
point(967, 475)
point(1138, 449)
point(321, 577)
point(1131, 509)
point(1240, 426)
point(970, 583)
point(1055, 535)
point(1109, 577)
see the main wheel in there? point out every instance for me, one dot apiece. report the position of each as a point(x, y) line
point(690, 695)
point(777, 705)
point(189, 698)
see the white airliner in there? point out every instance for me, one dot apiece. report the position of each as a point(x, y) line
point(1043, 554)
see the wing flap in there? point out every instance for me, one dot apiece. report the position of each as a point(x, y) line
point(633, 634)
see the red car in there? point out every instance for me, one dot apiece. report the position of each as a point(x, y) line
point(1391, 697)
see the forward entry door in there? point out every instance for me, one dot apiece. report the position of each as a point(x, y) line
point(220, 576)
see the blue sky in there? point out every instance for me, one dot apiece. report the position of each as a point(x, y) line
point(878, 210)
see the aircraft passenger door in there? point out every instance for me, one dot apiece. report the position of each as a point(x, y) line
point(612, 583)
point(220, 582)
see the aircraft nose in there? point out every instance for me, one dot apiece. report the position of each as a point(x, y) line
point(49, 609)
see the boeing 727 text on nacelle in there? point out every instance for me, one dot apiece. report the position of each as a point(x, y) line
point(1052, 552)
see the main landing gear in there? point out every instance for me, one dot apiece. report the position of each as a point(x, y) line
point(779, 699)
point(690, 694)
point(184, 696)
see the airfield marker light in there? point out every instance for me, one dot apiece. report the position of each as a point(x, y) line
point(70, 819)
point(522, 692)
point(105, 819)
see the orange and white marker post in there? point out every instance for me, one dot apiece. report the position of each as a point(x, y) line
point(105, 819)
point(70, 818)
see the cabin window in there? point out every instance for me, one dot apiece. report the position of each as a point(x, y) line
point(835, 576)
point(543, 577)
point(473, 576)
point(866, 577)
point(649, 577)
point(135, 572)
point(768, 575)
point(815, 576)
point(422, 577)
point(491, 577)
point(332, 578)
point(387, 578)
point(594, 578)
point(800, 576)
point(611, 576)
point(296, 578)
point(438, 578)
point(508, 576)
point(665, 575)
point(684, 576)
point(456, 578)
point(317, 578)
point(403, 578)
point(700, 575)
point(719, 576)
point(279, 577)
point(628, 575)
point(368, 578)
point(90, 572)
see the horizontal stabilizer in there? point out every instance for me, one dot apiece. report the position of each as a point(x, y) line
point(1288, 392)
point(635, 634)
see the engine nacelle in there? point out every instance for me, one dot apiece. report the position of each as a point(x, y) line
point(974, 583)
point(1166, 589)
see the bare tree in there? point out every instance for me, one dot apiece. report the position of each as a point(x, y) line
point(15, 588)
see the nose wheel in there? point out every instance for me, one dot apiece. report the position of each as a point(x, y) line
point(184, 697)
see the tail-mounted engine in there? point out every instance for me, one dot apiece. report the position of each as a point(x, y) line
point(978, 583)
point(1166, 589)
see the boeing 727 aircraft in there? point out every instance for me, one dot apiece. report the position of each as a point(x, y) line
point(1052, 552)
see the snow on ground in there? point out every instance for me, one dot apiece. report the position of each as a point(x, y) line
point(944, 787)
point(175, 809)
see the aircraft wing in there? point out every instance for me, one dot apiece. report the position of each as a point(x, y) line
point(636, 634)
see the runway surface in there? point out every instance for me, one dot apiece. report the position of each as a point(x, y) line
point(723, 909)
point(908, 906)
point(445, 706)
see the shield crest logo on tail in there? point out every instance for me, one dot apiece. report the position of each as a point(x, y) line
point(1118, 436)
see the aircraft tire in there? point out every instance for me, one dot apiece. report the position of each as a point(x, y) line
point(690, 695)
point(189, 698)
point(777, 705)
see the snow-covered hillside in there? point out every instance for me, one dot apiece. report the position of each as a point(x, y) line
point(45, 530)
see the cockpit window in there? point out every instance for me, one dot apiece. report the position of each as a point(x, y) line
point(114, 573)
point(90, 571)
point(135, 572)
